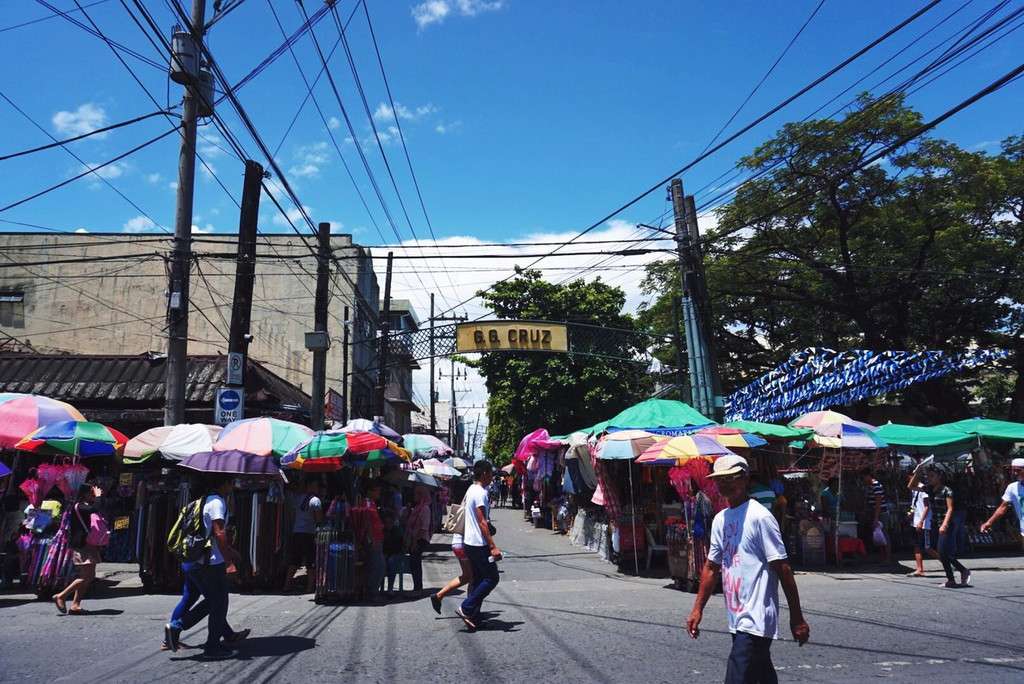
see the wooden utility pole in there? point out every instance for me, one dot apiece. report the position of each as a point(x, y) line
point(245, 266)
point(181, 258)
point(318, 388)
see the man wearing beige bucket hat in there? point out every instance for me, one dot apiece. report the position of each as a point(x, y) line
point(747, 549)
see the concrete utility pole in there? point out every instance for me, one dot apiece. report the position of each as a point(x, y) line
point(382, 352)
point(318, 389)
point(433, 402)
point(696, 308)
point(177, 306)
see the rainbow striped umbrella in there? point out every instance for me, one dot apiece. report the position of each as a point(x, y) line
point(20, 414)
point(676, 451)
point(74, 438)
point(263, 436)
point(329, 450)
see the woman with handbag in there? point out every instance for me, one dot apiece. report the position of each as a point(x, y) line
point(86, 536)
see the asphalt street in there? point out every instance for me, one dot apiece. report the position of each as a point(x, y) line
point(559, 613)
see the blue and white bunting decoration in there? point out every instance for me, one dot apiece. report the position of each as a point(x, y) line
point(818, 378)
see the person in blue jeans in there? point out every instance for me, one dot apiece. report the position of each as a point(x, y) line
point(191, 594)
point(478, 543)
point(210, 576)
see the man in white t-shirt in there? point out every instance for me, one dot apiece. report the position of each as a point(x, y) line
point(211, 576)
point(1012, 497)
point(479, 545)
point(309, 513)
point(747, 549)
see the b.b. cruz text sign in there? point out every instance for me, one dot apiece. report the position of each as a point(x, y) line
point(511, 336)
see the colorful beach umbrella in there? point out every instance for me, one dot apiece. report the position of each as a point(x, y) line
point(438, 468)
point(626, 444)
point(374, 426)
point(458, 463)
point(843, 436)
point(231, 461)
point(21, 414)
point(425, 446)
point(329, 450)
point(815, 418)
point(676, 451)
point(733, 438)
point(263, 436)
point(74, 438)
point(173, 442)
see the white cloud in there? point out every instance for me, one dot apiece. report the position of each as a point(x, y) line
point(139, 224)
point(384, 112)
point(154, 178)
point(210, 228)
point(436, 11)
point(446, 128)
point(108, 172)
point(294, 215)
point(87, 118)
point(333, 122)
point(310, 159)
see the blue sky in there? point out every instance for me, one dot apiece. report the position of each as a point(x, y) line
point(524, 121)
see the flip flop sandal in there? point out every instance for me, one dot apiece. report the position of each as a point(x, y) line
point(77, 611)
point(62, 606)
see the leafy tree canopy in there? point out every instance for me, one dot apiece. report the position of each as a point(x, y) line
point(858, 234)
point(556, 391)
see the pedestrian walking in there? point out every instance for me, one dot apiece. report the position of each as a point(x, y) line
point(747, 550)
point(465, 572)
point(309, 513)
point(1013, 497)
point(417, 537)
point(479, 545)
point(874, 495)
point(946, 503)
point(210, 575)
point(84, 556)
point(921, 522)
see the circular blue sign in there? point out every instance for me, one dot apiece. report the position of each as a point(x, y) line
point(229, 399)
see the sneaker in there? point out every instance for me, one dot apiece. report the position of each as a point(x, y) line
point(949, 585)
point(436, 603)
point(238, 636)
point(220, 654)
point(171, 636)
point(965, 578)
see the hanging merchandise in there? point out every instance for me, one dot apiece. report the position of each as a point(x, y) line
point(72, 478)
point(48, 474)
point(33, 489)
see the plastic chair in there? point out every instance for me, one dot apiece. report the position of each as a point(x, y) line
point(653, 548)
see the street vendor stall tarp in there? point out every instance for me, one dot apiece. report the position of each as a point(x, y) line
point(771, 430)
point(988, 428)
point(655, 415)
point(896, 434)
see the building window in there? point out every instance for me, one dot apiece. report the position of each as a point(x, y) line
point(12, 309)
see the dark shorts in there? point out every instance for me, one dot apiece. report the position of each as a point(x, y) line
point(921, 539)
point(750, 660)
point(303, 549)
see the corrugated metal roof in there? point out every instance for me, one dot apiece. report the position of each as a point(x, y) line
point(138, 381)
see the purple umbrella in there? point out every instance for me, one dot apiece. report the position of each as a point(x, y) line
point(231, 461)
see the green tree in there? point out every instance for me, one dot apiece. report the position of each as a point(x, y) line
point(829, 246)
point(556, 391)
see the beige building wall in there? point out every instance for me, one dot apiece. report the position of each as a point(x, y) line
point(105, 294)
